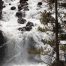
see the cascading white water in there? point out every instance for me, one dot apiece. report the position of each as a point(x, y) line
point(18, 42)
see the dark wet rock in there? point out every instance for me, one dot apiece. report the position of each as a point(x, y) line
point(40, 3)
point(23, 14)
point(4, 6)
point(22, 1)
point(21, 29)
point(2, 46)
point(26, 8)
point(0, 14)
point(26, 3)
point(27, 28)
point(9, 3)
point(1, 7)
point(2, 39)
point(19, 14)
point(21, 21)
point(13, 8)
point(1, 4)
point(23, 5)
point(19, 7)
point(2, 54)
point(30, 24)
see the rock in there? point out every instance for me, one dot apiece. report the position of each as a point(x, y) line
point(2, 40)
point(27, 28)
point(22, 1)
point(1, 4)
point(26, 8)
point(30, 24)
point(9, 3)
point(19, 14)
point(21, 29)
point(40, 3)
point(2, 47)
point(13, 8)
point(0, 14)
point(4, 6)
point(23, 5)
point(2, 54)
point(21, 21)
point(19, 7)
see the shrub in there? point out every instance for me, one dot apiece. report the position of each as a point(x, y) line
point(57, 63)
point(34, 51)
point(51, 43)
point(62, 36)
point(51, 1)
point(63, 47)
point(46, 18)
point(41, 29)
point(40, 51)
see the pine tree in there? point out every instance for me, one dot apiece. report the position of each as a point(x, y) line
point(58, 26)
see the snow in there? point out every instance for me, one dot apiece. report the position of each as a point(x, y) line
point(62, 42)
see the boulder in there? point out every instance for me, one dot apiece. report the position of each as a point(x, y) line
point(19, 7)
point(26, 8)
point(13, 8)
point(4, 6)
point(21, 21)
point(21, 29)
point(0, 14)
point(30, 24)
point(39, 3)
point(22, 1)
point(2, 47)
point(1, 4)
point(2, 40)
point(27, 28)
point(9, 3)
point(19, 14)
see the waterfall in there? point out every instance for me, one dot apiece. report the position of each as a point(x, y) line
point(18, 42)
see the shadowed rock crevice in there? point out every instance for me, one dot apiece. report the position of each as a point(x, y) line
point(2, 47)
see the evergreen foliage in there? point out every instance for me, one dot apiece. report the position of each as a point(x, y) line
point(46, 18)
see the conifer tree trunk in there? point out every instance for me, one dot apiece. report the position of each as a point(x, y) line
point(56, 34)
